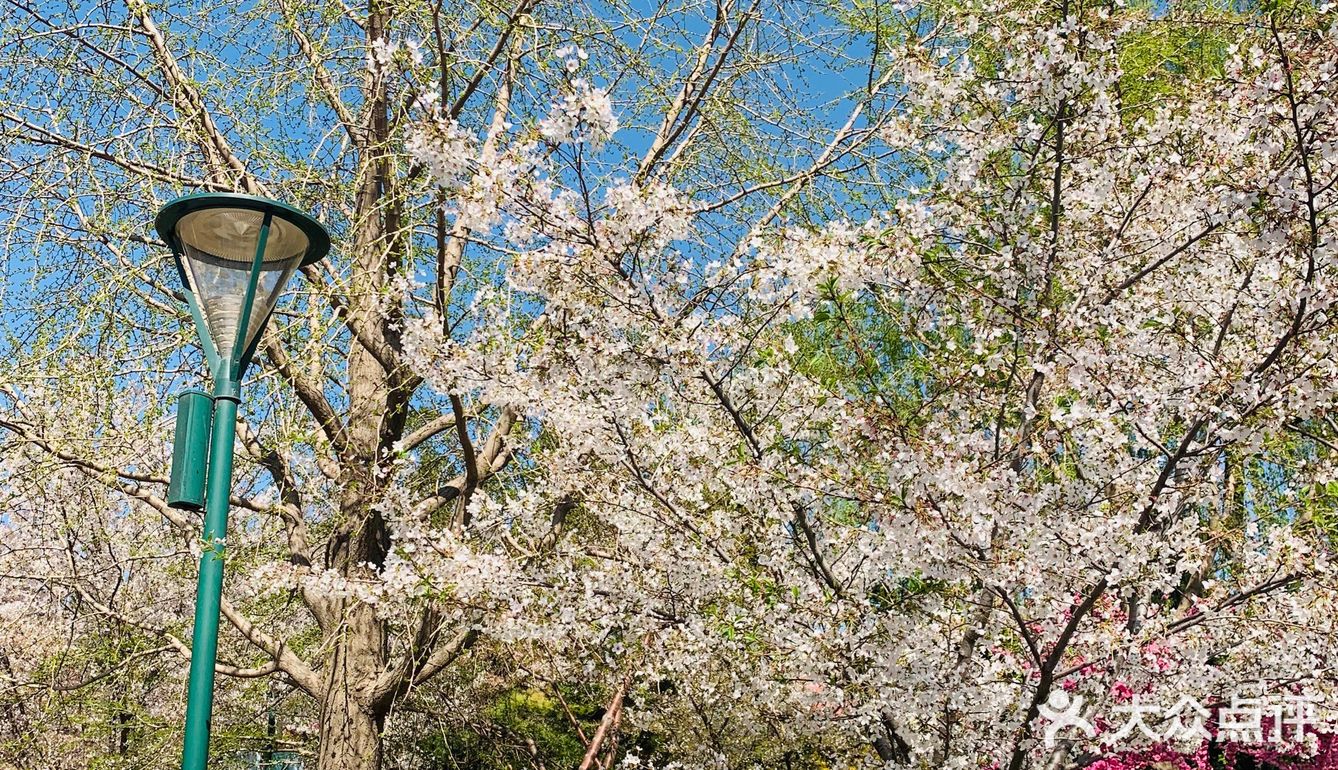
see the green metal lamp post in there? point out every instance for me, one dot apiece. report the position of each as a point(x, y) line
point(234, 253)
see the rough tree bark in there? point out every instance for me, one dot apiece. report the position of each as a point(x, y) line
point(351, 723)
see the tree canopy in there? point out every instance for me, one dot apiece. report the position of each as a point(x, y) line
point(739, 384)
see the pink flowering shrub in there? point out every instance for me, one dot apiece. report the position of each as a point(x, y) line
point(1225, 757)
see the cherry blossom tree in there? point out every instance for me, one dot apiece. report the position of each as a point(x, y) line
point(1079, 442)
point(800, 425)
point(112, 108)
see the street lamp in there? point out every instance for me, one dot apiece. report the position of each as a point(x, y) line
point(234, 253)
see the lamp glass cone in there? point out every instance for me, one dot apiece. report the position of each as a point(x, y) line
point(220, 248)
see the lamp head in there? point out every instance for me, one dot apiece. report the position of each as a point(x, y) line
point(235, 254)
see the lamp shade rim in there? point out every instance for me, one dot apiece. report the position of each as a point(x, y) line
point(166, 221)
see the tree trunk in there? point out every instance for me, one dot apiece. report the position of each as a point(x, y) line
point(350, 735)
point(350, 729)
point(351, 726)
